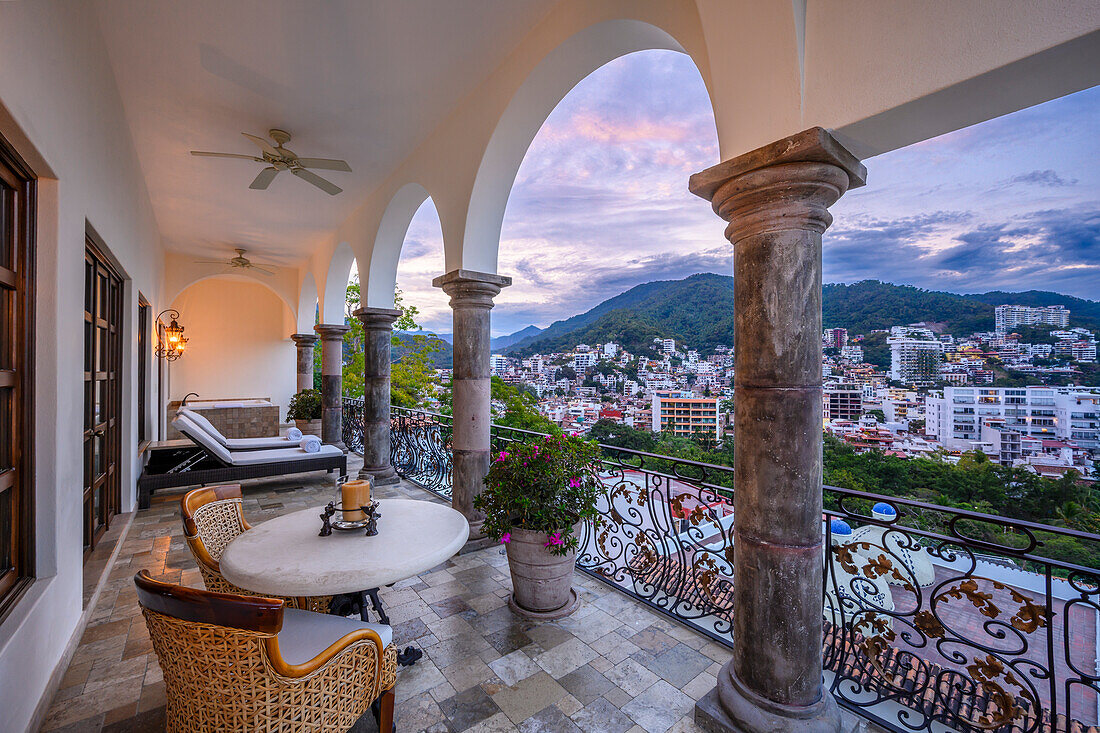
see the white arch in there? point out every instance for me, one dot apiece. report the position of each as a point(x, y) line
point(243, 275)
point(307, 303)
point(336, 284)
point(546, 85)
point(394, 225)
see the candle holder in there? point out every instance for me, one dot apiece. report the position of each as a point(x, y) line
point(370, 522)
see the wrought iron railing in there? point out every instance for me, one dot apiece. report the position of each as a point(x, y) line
point(935, 618)
point(420, 448)
point(351, 431)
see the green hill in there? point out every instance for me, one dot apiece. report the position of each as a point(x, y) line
point(698, 312)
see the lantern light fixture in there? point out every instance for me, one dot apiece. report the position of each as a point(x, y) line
point(173, 344)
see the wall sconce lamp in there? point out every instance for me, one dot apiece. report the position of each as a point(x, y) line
point(172, 345)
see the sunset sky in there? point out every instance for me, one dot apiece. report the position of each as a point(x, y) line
point(601, 203)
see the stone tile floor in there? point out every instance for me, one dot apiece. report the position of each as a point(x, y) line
point(612, 667)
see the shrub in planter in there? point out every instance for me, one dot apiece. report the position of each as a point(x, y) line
point(305, 411)
point(536, 496)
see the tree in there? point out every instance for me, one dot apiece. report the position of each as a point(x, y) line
point(412, 375)
point(521, 408)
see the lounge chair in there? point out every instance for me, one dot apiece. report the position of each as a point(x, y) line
point(237, 444)
point(207, 461)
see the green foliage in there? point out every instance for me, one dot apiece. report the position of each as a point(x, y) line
point(412, 374)
point(875, 350)
point(545, 486)
point(1035, 334)
point(871, 304)
point(975, 483)
point(520, 408)
point(306, 405)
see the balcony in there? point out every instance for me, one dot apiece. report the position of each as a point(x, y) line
point(980, 643)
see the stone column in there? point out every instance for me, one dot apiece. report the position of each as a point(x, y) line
point(776, 201)
point(332, 382)
point(305, 342)
point(377, 328)
point(472, 296)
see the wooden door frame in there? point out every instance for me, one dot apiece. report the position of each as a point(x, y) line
point(23, 454)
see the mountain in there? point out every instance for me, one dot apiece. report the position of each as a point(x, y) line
point(443, 358)
point(501, 342)
point(698, 312)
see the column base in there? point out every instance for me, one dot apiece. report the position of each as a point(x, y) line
point(383, 476)
point(729, 708)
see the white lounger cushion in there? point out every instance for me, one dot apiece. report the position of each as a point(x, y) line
point(306, 634)
point(251, 457)
point(188, 427)
point(235, 443)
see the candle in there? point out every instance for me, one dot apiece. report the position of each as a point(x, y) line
point(354, 494)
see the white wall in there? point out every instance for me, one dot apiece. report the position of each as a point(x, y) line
point(59, 107)
point(238, 343)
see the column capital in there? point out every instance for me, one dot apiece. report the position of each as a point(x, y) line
point(331, 331)
point(304, 339)
point(789, 184)
point(471, 289)
point(377, 318)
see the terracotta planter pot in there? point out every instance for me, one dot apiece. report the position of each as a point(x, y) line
point(541, 581)
point(309, 427)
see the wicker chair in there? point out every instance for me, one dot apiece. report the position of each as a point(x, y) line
point(212, 518)
point(246, 663)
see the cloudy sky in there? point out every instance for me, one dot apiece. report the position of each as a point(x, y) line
point(601, 203)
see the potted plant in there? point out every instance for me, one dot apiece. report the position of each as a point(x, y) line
point(536, 497)
point(305, 411)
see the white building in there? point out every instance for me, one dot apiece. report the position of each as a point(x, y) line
point(1008, 317)
point(915, 360)
point(584, 360)
point(498, 364)
point(1062, 413)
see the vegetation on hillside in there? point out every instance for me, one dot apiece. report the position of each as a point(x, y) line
point(698, 312)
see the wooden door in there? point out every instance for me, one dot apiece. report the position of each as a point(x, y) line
point(102, 394)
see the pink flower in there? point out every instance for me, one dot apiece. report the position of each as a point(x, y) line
point(506, 538)
point(554, 539)
point(502, 456)
point(574, 483)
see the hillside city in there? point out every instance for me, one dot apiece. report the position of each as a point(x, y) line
point(941, 394)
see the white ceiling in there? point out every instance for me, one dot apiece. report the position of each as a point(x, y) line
point(362, 81)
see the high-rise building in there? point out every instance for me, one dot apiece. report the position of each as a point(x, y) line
point(686, 414)
point(1008, 317)
point(914, 360)
point(835, 338)
point(497, 363)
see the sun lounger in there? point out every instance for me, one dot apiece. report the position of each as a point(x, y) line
point(207, 461)
point(236, 444)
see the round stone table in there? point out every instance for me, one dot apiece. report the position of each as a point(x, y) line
point(286, 557)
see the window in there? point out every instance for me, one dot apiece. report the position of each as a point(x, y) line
point(17, 203)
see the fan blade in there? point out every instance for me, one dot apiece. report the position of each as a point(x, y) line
point(263, 180)
point(264, 145)
point(210, 262)
point(330, 188)
point(264, 270)
point(225, 155)
point(325, 164)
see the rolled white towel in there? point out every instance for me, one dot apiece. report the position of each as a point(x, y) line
point(294, 435)
point(311, 444)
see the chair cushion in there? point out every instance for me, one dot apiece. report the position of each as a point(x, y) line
point(260, 443)
point(202, 422)
point(253, 457)
point(192, 430)
point(306, 634)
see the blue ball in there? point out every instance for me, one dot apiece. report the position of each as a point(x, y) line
point(884, 508)
point(840, 527)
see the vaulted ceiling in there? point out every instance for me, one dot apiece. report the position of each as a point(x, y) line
point(362, 81)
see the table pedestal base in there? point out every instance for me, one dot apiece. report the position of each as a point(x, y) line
point(347, 603)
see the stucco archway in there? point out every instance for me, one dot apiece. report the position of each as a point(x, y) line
point(544, 88)
point(336, 284)
point(388, 241)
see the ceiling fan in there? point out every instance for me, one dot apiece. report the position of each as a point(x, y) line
point(279, 159)
point(240, 261)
